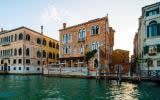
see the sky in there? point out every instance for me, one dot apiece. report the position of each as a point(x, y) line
point(123, 16)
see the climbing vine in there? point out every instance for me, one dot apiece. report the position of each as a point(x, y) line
point(90, 54)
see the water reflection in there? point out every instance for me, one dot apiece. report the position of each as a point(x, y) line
point(52, 88)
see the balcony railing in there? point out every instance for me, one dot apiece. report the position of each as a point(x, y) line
point(81, 39)
point(5, 43)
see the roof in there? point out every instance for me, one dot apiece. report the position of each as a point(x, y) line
point(151, 5)
point(23, 27)
point(121, 50)
point(90, 21)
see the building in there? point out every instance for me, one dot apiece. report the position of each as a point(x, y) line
point(121, 57)
point(25, 51)
point(77, 40)
point(149, 40)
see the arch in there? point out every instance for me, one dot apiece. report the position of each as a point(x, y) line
point(97, 29)
point(50, 55)
point(38, 40)
point(20, 36)
point(53, 56)
point(53, 45)
point(20, 51)
point(44, 42)
point(28, 37)
point(50, 44)
point(27, 52)
point(38, 54)
point(15, 52)
point(57, 55)
point(44, 53)
point(96, 63)
point(153, 22)
point(57, 46)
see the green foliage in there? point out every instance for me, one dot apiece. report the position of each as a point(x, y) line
point(90, 54)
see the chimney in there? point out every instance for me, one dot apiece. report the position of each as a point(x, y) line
point(1, 29)
point(64, 25)
point(42, 29)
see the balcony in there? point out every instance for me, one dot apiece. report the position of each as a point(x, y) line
point(81, 40)
point(5, 43)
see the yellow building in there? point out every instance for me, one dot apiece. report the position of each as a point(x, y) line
point(23, 50)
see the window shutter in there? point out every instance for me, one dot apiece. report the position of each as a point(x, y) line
point(158, 48)
point(147, 31)
point(158, 29)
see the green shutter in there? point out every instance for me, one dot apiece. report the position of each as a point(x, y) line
point(158, 29)
point(147, 31)
point(158, 48)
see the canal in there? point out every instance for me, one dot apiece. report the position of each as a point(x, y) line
point(18, 87)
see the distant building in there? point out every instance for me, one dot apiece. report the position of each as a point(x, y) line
point(149, 40)
point(77, 40)
point(25, 51)
point(121, 57)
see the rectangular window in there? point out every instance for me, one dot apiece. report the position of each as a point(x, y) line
point(27, 61)
point(19, 68)
point(14, 61)
point(38, 62)
point(20, 61)
point(14, 68)
point(67, 38)
point(158, 63)
point(1, 61)
point(95, 45)
point(152, 12)
point(27, 68)
point(81, 49)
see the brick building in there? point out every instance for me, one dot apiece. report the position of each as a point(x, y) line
point(77, 40)
point(23, 50)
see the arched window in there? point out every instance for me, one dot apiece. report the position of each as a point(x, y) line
point(20, 51)
point(92, 30)
point(53, 45)
point(28, 37)
point(27, 52)
point(53, 56)
point(38, 40)
point(97, 29)
point(44, 42)
point(44, 54)
point(50, 55)
point(152, 29)
point(57, 46)
point(20, 36)
point(38, 54)
point(50, 44)
point(15, 52)
point(15, 37)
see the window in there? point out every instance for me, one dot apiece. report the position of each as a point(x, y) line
point(44, 54)
point(44, 42)
point(27, 68)
point(152, 12)
point(67, 38)
point(28, 37)
point(38, 62)
point(19, 68)
point(20, 36)
point(146, 49)
point(8, 68)
point(95, 45)
point(38, 69)
point(27, 61)
point(1, 61)
point(57, 46)
point(15, 52)
point(53, 45)
point(20, 61)
point(38, 54)
point(15, 37)
point(66, 50)
point(14, 68)
point(11, 38)
point(27, 52)
point(81, 49)
point(20, 51)
point(81, 34)
point(38, 41)
point(53, 56)
point(50, 55)
point(94, 30)
point(158, 48)
point(153, 29)
point(14, 61)
point(50, 44)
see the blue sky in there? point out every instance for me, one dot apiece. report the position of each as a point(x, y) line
point(123, 15)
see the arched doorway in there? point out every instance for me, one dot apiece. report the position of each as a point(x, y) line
point(5, 67)
point(95, 63)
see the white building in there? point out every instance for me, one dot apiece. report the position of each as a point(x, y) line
point(149, 40)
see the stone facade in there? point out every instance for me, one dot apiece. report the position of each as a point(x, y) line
point(149, 39)
point(25, 51)
point(77, 40)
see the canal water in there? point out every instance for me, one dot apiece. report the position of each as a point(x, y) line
point(18, 87)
